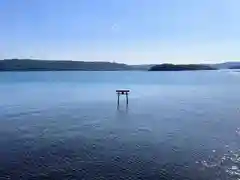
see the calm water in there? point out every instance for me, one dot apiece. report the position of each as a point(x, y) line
point(65, 125)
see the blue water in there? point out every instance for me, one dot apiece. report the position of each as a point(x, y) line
point(66, 125)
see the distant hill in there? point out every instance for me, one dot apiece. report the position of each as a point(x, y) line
point(180, 67)
point(235, 67)
point(226, 65)
point(56, 65)
point(143, 67)
point(47, 65)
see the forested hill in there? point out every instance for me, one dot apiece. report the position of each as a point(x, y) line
point(49, 65)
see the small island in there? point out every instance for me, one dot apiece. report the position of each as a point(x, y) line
point(180, 67)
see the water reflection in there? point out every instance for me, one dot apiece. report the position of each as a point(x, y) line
point(123, 108)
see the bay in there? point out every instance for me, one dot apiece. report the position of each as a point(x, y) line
point(66, 125)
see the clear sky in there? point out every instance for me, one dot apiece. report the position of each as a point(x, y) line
point(129, 31)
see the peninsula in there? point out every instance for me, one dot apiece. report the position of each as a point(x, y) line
point(52, 65)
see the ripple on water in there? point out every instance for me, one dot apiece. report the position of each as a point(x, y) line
point(228, 163)
point(238, 131)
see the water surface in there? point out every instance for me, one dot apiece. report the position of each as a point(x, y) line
point(65, 125)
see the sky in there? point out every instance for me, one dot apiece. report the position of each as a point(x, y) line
point(126, 31)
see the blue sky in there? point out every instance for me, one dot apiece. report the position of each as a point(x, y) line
point(129, 31)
